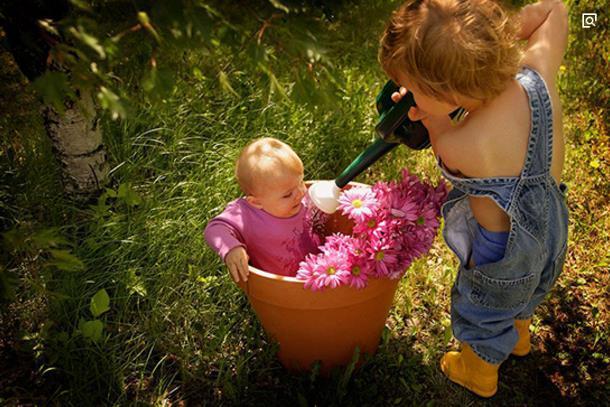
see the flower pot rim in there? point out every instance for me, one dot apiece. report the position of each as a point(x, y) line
point(350, 185)
point(273, 276)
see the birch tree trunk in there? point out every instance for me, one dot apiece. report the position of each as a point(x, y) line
point(75, 134)
point(78, 147)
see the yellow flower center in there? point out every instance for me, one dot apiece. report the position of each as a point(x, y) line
point(379, 256)
point(330, 271)
point(357, 203)
point(356, 271)
point(371, 223)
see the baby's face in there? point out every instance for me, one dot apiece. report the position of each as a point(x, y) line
point(281, 195)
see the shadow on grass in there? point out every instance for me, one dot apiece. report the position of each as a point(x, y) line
point(399, 374)
point(387, 377)
point(570, 346)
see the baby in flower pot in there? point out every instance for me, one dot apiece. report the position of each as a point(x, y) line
point(376, 235)
point(271, 226)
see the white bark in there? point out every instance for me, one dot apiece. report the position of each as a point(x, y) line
point(77, 141)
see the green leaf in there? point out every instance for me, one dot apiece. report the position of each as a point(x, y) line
point(278, 5)
point(47, 25)
point(82, 4)
point(208, 281)
point(145, 21)
point(385, 335)
point(110, 101)
point(89, 40)
point(447, 334)
point(159, 83)
point(225, 84)
point(15, 240)
point(46, 238)
point(54, 89)
point(275, 85)
point(111, 192)
point(66, 261)
point(136, 284)
point(347, 373)
point(198, 74)
point(100, 303)
point(302, 91)
point(111, 47)
point(91, 329)
point(128, 195)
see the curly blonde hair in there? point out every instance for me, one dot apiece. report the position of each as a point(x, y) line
point(448, 47)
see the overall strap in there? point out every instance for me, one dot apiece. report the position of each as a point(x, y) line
point(540, 145)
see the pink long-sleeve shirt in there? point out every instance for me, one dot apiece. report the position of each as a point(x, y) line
point(276, 245)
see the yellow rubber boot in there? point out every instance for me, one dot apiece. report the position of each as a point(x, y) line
point(470, 371)
point(523, 345)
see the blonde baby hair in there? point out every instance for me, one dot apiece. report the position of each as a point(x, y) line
point(449, 47)
point(262, 160)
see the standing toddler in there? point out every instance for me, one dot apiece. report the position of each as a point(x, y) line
point(506, 218)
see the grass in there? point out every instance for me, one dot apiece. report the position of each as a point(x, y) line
point(180, 332)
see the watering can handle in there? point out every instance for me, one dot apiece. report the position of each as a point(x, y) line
point(375, 151)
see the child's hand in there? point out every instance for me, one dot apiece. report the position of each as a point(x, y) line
point(237, 262)
point(434, 124)
point(396, 96)
point(415, 114)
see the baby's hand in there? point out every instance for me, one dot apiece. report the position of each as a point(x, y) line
point(237, 262)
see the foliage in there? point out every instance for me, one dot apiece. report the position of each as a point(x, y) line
point(93, 53)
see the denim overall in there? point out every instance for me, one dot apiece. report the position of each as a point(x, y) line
point(486, 299)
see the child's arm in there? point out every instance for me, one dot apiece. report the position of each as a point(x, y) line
point(545, 27)
point(225, 240)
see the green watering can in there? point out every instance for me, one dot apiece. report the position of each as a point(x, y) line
point(393, 128)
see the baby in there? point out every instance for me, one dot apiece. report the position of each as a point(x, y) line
point(270, 227)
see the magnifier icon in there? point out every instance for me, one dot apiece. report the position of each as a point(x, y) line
point(589, 20)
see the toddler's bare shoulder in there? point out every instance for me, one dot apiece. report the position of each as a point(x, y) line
point(486, 146)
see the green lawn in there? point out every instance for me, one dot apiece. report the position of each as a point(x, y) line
point(179, 331)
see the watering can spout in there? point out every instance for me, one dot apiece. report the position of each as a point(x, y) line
point(325, 194)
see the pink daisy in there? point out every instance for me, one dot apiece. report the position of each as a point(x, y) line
point(338, 242)
point(331, 271)
point(384, 256)
point(359, 204)
point(306, 271)
point(359, 273)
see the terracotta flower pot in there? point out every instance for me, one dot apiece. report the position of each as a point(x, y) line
point(324, 326)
